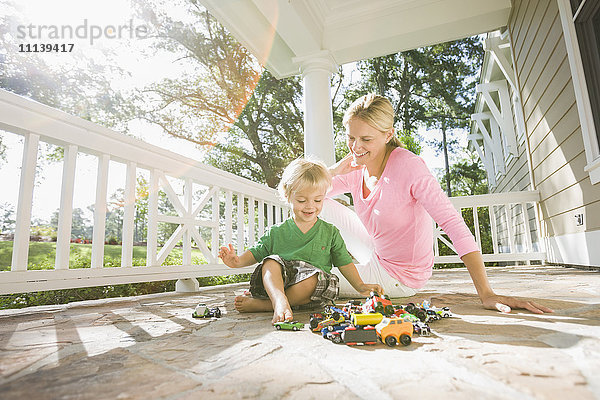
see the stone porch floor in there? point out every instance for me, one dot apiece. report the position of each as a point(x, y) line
point(150, 347)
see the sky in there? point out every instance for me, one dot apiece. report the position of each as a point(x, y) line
point(103, 14)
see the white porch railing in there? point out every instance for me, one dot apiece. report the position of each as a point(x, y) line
point(256, 207)
point(214, 220)
point(511, 227)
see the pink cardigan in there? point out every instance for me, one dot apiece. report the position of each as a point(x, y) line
point(397, 214)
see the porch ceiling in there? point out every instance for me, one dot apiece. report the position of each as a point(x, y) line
point(282, 33)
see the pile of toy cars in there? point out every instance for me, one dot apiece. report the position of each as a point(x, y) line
point(377, 319)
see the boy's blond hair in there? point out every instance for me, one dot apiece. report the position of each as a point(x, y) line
point(301, 174)
point(375, 110)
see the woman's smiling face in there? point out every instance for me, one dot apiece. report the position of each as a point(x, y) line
point(366, 143)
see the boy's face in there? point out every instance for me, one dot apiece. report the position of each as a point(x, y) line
point(307, 204)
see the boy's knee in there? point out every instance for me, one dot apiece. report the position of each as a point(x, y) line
point(270, 266)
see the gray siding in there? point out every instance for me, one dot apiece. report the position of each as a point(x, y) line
point(551, 120)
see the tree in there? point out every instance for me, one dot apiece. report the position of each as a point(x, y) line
point(7, 218)
point(81, 227)
point(468, 176)
point(452, 69)
point(81, 87)
point(249, 126)
point(429, 87)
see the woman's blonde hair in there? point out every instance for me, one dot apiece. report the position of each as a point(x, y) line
point(375, 110)
point(301, 174)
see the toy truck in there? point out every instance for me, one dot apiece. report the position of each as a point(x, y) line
point(356, 335)
point(392, 331)
point(366, 319)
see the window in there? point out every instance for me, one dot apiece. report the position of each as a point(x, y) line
point(580, 21)
point(586, 17)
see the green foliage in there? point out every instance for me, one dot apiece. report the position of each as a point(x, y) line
point(64, 296)
point(84, 90)
point(7, 218)
point(42, 256)
point(249, 126)
point(81, 227)
point(467, 176)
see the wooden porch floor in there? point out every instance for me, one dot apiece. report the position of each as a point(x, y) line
point(150, 347)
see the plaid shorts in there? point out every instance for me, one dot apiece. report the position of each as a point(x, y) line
point(296, 271)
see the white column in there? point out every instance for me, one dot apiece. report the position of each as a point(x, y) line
point(318, 116)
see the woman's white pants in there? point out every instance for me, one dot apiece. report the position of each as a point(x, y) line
point(360, 244)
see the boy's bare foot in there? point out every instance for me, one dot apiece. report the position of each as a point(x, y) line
point(250, 304)
point(282, 311)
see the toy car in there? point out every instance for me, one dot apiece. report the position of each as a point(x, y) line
point(335, 312)
point(335, 337)
point(408, 317)
point(333, 328)
point(315, 319)
point(355, 335)
point(288, 325)
point(421, 328)
point(327, 322)
point(378, 304)
point(394, 330)
point(432, 316)
point(202, 311)
point(444, 312)
point(417, 311)
point(352, 306)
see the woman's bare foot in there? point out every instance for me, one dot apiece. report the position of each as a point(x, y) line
point(250, 304)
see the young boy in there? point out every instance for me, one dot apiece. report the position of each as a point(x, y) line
point(296, 256)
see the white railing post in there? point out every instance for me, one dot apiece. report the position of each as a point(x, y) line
point(251, 222)
point(187, 237)
point(494, 228)
point(528, 243)
point(240, 223)
point(100, 212)
point(23, 223)
point(269, 215)
point(261, 218)
point(228, 217)
point(65, 214)
point(477, 228)
point(152, 235)
point(509, 226)
point(216, 202)
point(128, 215)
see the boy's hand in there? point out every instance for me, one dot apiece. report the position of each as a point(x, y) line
point(229, 257)
point(366, 288)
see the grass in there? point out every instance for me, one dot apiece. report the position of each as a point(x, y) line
point(42, 255)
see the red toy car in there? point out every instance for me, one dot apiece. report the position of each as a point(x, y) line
point(378, 304)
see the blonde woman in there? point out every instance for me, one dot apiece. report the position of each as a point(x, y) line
point(395, 197)
point(296, 256)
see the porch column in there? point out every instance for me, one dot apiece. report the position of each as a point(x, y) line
point(316, 73)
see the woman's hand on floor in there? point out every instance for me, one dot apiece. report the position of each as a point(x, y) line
point(506, 303)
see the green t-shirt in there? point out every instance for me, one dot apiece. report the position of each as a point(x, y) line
point(321, 246)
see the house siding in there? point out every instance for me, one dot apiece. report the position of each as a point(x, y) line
point(551, 120)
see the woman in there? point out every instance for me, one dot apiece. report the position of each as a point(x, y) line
point(395, 196)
